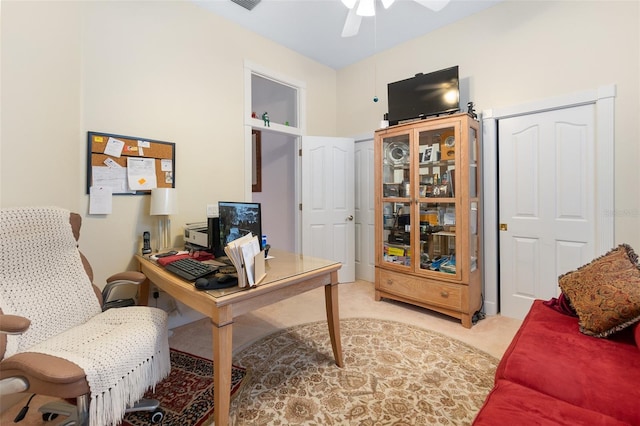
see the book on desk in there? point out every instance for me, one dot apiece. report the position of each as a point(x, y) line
point(248, 259)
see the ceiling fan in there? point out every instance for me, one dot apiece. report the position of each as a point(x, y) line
point(368, 8)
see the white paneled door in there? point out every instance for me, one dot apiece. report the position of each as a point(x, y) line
point(547, 202)
point(328, 181)
point(365, 211)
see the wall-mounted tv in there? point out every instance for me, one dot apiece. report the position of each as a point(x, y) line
point(424, 95)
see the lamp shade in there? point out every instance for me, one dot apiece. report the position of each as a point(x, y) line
point(164, 201)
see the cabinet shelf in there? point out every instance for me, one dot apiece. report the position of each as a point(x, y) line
point(415, 198)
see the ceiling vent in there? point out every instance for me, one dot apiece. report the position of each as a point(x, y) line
point(247, 4)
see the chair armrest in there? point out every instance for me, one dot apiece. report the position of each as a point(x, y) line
point(131, 276)
point(13, 324)
point(120, 293)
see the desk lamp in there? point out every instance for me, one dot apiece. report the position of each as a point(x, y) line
point(164, 202)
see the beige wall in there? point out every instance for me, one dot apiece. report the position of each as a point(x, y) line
point(169, 71)
point(518, 52)
point(172, 71)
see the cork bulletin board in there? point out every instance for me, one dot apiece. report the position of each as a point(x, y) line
point(129, 164)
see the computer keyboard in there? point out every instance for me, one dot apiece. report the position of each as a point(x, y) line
point(190, 269)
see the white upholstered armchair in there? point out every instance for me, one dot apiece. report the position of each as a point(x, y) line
point(55, 338)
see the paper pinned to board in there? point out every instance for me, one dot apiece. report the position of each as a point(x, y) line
point(141, 173)
point(114, 147)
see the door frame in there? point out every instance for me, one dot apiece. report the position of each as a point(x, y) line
point(604, 99)
point(250, 124)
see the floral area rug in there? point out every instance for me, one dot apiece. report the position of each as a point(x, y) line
point(186, 395)
point(394, 374)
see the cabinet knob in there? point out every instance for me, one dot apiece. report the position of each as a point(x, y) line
point(350, 217)
point(390, 282)
point(444, 293)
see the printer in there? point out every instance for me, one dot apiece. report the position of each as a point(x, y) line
point(196, 234)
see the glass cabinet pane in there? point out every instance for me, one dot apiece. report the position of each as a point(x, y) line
point(395, 162)
point(474, 240)
point(438, 237)
point(473, 163)
point(397, 233)
point(474, 243)
point(436, 172)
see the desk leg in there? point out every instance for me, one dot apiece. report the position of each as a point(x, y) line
point(222, 354)
point(333, 319)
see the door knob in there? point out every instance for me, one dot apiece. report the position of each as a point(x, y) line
point(350, 217)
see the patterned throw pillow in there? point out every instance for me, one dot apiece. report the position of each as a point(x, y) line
point(605, 292)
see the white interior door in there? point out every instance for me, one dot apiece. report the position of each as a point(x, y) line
point(365, 211)
point(328, 181)
point(547, 187)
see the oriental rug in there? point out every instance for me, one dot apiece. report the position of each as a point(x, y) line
point(186, 395)
point(394, 374)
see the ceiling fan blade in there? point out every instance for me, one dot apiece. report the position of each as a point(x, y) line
point(352, 24)
point(435, 5)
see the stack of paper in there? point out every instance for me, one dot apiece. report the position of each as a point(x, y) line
point(246, 256)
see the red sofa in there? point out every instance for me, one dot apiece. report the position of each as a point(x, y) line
point(552, 374)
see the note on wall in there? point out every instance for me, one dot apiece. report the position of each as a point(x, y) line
point(141, 173)
point(112, 177)
point(114, 147)
point(100, 200)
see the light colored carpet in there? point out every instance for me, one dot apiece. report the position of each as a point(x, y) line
point(491, 335)
point(394, 374)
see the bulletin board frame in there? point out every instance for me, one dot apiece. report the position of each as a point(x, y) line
point(107, 164)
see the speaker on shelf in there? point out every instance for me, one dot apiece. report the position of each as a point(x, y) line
point(447, 145)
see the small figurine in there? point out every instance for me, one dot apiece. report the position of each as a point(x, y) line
point(254, 115)
point(265, 118)
point(471, 111)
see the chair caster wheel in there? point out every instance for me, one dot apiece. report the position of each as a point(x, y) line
point(157, 416)
point(47, 417)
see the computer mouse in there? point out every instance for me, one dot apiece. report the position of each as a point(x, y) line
point(202, 283)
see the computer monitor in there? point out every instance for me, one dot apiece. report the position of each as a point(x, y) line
point(238, 219)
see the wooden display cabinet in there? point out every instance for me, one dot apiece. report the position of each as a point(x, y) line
point(428, 215)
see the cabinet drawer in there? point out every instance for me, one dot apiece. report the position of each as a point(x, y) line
point(421, 289)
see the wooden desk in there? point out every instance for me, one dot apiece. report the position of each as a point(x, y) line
point(288, 274)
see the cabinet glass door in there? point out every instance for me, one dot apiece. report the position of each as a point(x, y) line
point(396, 197)
point(474, 199)
point(436, 190)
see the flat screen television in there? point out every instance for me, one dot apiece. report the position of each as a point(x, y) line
point(238, 219)
point(424, 95)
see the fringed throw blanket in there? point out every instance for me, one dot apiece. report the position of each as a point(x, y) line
point(123, 352)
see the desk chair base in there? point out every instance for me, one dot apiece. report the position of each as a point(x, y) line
point(77, 415)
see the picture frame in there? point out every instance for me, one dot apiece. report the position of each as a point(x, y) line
point(427, 154)
point(256, 161)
